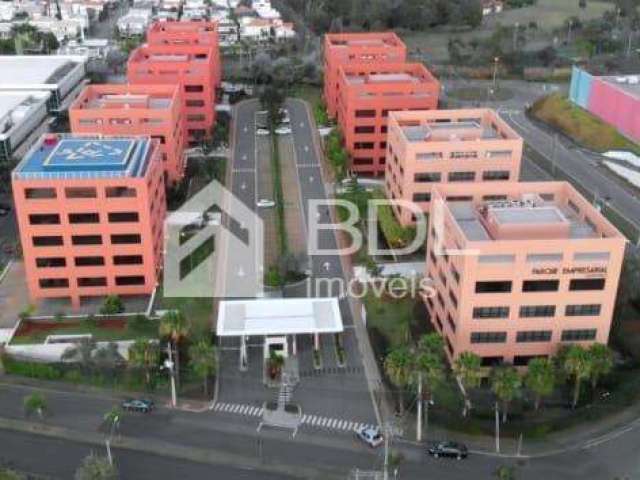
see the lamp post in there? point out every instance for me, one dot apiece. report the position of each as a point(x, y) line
point(170, 366)
point(496, 60)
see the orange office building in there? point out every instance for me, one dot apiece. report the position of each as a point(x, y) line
point(520, 269)
point(366, 95)
point(352, 48)
point(447, 146)
point(192, 68)
point(91, 216)
point(135, 109)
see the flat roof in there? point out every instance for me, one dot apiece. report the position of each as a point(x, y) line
point(85, 157)
point(24, 70)
point(278, 316)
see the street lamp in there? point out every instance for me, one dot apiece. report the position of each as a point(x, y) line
point(496, 60)
point(170, 365)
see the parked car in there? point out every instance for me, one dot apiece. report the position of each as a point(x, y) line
point(262, 132)
point(283, 130)
point(448, 449)
point(264, 203)
point(370, 436)
point(138, 405)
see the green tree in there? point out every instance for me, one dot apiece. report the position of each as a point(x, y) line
point(176, 327)
point(11, 475)
point(272, 100)
point(96, 467)
point(202, 356)
point(81, 352)
point(35, 403)
point(505, 383)
point(601, 362)
point(112, 305)
point(398, 365)
point(540, 378)
point(429, 371)
point(576, 363)
point(468, 369)
point(505, 472)
point(145, 355)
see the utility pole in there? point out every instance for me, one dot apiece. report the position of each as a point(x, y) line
point(419, 416)
point(496, 60)
point(629, 43)
point(169, 365)
point(387, 434)
point(497, 415)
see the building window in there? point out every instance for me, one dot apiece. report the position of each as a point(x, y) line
point(127, 260)
point(80, 192)
point(44, 219)
point(493, 198)
point(365, 113)
point(459, 198)
point(421, 197)
point(490, 312)
point(586, 310)
point(47, 241)
point(194, 103)
point(130, 280)
point(591, 256)
point(523, 360)
point(531, 336)
point(533, 311)
point(493, 287)
point(53, 283)
point(126, 238)
point(364, 129)
point(120, 192)
point(491, 361)
point(427, 177)
point(193, 88)
point(199, 117)
point(123, 217)
point(540, 285)
point(496, 258)
point(462, 176)
point(92, 282)
point(586, 284)
point(88, 261)
point(463, 155)
point(451, 323)
point(84, 218)
point(86, 240)
point(544, 257)
point(363, 161)
point(363, 145)
point(51, 262)
point(38, 193)
point(490, 175)
point(453, 298)
point(488, 337)
point(455, 274)
point(580, 335)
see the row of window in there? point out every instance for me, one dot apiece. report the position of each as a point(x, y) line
point(537, 311)
point(575, 284)
point(488, 175)
point(120, 281)
point(534, 336)
point(80, 218)
point(91, 261)
point(79, 192)
point(58, 241)
point(369, 129)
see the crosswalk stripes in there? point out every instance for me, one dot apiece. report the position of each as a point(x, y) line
point(308, 420)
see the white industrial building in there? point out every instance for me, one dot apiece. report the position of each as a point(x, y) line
point(23, 118)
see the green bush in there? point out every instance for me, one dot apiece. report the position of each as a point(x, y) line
point(396, 235)
point(272, 278)
point(41, 371)
point(336, 154)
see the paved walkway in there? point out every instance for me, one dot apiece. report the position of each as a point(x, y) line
point(293, 217)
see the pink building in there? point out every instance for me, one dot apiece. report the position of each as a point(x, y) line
point(366, 95)
point(193, 69)
point(520, 269)
point(352, 48)
point(447, 146)
point(121, 109)
point(91, 213)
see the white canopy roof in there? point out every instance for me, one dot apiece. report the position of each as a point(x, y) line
point(279, 316)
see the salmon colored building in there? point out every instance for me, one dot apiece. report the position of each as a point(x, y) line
point(188, 33)
point(520, 269)
point(446, 146)
point(366, 95)
point(352, 48)
point(91, 213)
point(192, 68)
point(121, 109)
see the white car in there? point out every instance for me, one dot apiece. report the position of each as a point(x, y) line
point(282, 130)
point(264, 203)
point(262, 131)
point(370, 436)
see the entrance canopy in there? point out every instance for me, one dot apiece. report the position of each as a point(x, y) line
point(278, 316)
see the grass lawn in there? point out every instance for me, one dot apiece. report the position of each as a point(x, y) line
point(390, 321)
point(109, 330)
point(580, 125)
point(199, 311)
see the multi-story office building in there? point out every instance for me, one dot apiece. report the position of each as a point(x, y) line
point(366, 95)
point(520, 269)
point(135, 109)
point(91, 213)
point(351, 48)
point(189, 66)
point(189, 33)
point(446, 146)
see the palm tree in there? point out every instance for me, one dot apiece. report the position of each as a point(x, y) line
point(398, 365)
point(81, 352)
point(468, 369)
point(112, 421)
point(174, 325)
point(145, 355)
point(95, 467)
point(107, 356)
point(540, 378)
point(202, 356)
point(429, 369)
point(505, 383)
point(601, 362)
point(576, 363)
point(35, 403)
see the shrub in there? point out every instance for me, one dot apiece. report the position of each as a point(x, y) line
point(138, 324)
point(112, 305)
point(272, 277)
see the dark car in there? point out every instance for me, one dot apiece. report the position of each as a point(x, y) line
point(138, 405)
point(448, 449)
